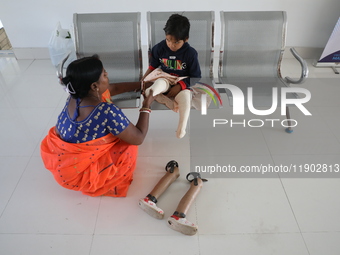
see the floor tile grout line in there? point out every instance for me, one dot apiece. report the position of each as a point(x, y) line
point(25, 168)
point(21, 74)
point(284, 190)
point(16, 186)
point(166, 235)
point(22, 174)
point(195, 203)
point(296, 220)
point(95, 226)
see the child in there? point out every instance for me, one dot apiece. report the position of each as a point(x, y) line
point(176, 58)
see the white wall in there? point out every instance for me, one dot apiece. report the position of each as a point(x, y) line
point(29, 23)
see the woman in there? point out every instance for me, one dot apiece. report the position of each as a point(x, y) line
point(93, 147)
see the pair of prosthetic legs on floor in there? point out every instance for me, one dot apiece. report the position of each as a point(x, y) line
point(183, 100)
point(177, 221)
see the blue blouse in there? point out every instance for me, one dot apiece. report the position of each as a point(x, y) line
point(105, 118)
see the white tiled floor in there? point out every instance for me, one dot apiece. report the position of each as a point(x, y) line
point(276, 215)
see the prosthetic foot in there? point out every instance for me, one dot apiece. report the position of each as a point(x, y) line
point(183, 100)
point(148, 204)
point(178, 221)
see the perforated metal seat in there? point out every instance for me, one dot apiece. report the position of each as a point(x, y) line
point(252, 46)
point(115, 37)
point(201, 37)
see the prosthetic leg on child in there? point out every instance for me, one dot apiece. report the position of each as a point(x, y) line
point(183, 100)
point(148, 204)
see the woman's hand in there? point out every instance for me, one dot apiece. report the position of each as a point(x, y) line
point(148, 100)
point(135, 134)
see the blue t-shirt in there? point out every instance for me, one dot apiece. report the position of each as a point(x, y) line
point(105, 118)
point(183, 62)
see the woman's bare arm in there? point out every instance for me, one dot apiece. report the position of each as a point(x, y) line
point(135, 134)
point(119, 88)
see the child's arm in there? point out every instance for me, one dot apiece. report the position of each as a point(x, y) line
point(153, 65)
point(146, 84)
point(154, 60)
point(147, 73)
point(174, 90)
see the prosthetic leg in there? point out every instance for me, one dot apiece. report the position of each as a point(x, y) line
point(160, 86)
point(183, 100)
point(178, 221)
point(148, 204)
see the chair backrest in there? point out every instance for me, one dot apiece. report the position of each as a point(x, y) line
point(252, 44)
point(201, 35)
point(115, 37)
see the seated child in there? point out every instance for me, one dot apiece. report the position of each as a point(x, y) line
point(175, 57)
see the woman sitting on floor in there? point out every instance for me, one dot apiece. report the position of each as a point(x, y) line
point(93, 147)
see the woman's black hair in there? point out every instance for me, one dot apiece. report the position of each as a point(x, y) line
point(177, 26)
point(80, 74)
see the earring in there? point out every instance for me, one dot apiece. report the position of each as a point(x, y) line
point(98, 94)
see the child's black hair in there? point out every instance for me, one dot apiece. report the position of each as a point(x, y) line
point(177, 26)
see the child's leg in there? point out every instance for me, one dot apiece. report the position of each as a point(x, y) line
point(178, 220)
point(160, 86)
point(148, 204)
point(183, 100)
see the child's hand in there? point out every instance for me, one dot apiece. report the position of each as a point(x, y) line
point(174, 91)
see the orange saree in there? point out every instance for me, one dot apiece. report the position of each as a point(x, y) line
point(103, 166)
